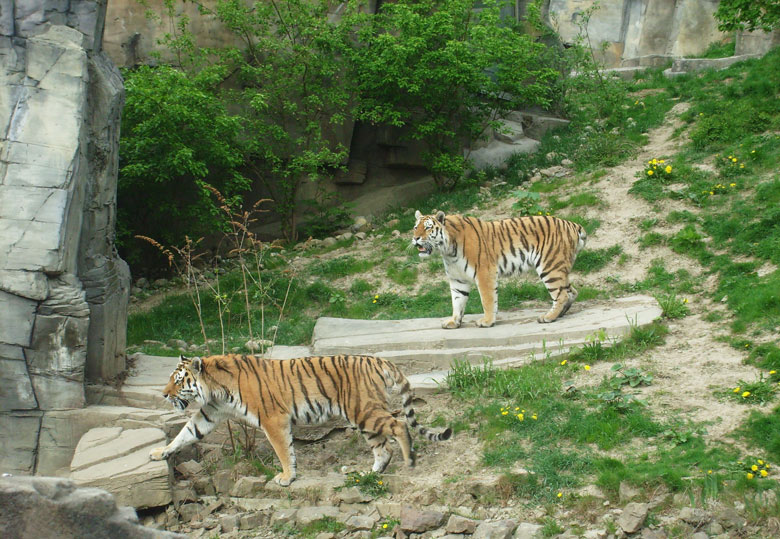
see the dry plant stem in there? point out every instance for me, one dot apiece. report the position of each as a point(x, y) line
point(284, 304)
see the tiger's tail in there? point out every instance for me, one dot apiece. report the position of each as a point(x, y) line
point(401, 384)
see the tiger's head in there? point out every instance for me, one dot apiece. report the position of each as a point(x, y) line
point(184, 384)
point(429, 233)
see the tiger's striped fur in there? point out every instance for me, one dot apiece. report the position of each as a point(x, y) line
point(275, 394)
point(480, 251)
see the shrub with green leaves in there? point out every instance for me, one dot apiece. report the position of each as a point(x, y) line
point(435, 69)
point(177, 136)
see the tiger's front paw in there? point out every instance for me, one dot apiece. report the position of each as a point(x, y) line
point(544, 320)
point(450, 324)
point(283, 480)
point(485, 323)
point(158, 453)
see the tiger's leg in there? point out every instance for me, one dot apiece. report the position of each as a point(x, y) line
point(386, 426)
point(487, 283)
point(557, 283)
point(572, 296)
point(196, 428)
point(459, 290)
point(382, 453)
point(279, 434)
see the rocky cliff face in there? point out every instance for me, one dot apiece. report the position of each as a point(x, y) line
point(63, 289)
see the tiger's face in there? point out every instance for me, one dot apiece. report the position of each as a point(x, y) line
point(183, 386)
point(429, 233)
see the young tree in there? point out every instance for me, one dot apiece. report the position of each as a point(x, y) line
point(447, 70)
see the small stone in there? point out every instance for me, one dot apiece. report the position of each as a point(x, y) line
point(189, 468)
point(183, 492)
point(142, 282)
point(283, 516)
point(177, 344)
point(392, 223)
point(395, 233)
point(159, 283)
point(251, 521)
point(256, 345)
point(715, 529)
point(352, 495)
point(501, 529)
point(416, 521)
point(188, 511)
point(459, 524)
point(361, 236)
point(633, 517)
point(223, 481)
point(626, 492)
point(307, 515)
point(229, 522)
point(527, 530)
point(360, 224)
point(203, 486)
point(694, 516)
point(247, 487)
point(360, 522)
point(329, 242)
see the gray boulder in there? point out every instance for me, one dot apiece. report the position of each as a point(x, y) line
point(44, 507)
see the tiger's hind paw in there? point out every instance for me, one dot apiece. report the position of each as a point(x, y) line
point(450, 324)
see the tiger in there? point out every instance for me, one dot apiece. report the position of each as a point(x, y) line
point(276, 394)
point(480, 251)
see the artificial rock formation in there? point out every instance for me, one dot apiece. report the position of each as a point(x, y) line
point(63, 288)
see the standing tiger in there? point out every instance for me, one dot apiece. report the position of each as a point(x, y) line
point(275, 394)
point(479, 251)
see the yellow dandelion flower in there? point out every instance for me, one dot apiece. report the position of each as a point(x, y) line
point(522, 411)
point(760, 461)
point(766, 466)
point(685, 300)
point(746, 394)
point(742, 165)
point(373, 301)
point(750, 475)
point(772, 372)
point(587, 367)
point(754, 468)
point(748, 344)
point(701, 114)
point(521, 417)
point(732, 185)
point(504, 412)
point(662, 161)
point(709, 472)
point(560, 494)
point(376, 297)
point(712, 193)
point(380, 483)
point(517, 408)
point(564, 362)
point(668, 169)
point(736, 390)
point(752, 151)
point(384, 526)
point(534, 417)
point(649, 172)
point(733, 159)
point(764, 473)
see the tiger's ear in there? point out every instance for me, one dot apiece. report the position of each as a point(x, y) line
point(417, 214)
point(440, 217)
point(197, 365)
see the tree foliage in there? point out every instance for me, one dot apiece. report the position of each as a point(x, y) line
point(748, 15)
point(445, 71)
point(298, 74)
point(176, 137)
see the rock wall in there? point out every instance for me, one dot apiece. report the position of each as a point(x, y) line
point(639, 32)
point(63, 289)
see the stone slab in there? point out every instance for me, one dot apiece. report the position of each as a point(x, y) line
point(517, 328)
point(117, 460)
point(62, 430)
point(17, 452)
